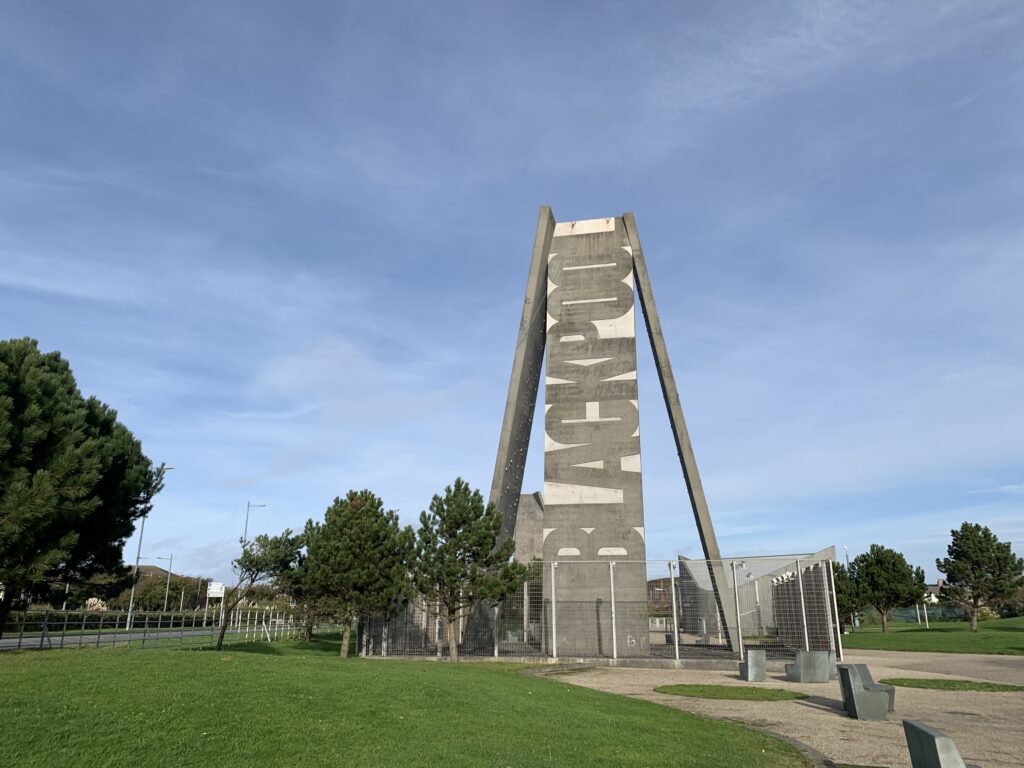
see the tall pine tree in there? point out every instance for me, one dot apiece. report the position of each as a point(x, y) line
point(73, 479)
point(883, 578)
point(980, 570)
point(357, 561)
point(459, 562)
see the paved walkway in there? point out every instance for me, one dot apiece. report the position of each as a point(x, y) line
point(987, 727)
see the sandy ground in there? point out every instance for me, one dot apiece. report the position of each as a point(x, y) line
point(987, 727)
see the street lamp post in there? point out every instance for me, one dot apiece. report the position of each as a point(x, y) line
point(853, 614)
point(138, 553)
point(245, 536)
point(167, 589)
point(248, 506)
point(135, 575)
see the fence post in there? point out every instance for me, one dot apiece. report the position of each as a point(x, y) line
point(833, 615)
point(99, 632)
point(739, 619)
point(42, 633)
point(64, 629)
point(81, 632)
point(437, 629)
point(611, 584)
point(675, 616)
point(803, 605)
point(925, 606)
point(145, 631)
point(21, 632)
point(496, 630)
point(554, 617)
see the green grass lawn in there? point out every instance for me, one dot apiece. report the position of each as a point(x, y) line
point(293, 704)
point(1003, 636)
point(735, 692)
point(952, 685)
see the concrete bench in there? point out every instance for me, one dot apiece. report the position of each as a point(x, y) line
point(861, 703)
point(871, 685)
point(931, 748)
point(809, 667)
point(753, 668)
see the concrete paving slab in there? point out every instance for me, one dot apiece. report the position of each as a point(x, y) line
point(987, 727)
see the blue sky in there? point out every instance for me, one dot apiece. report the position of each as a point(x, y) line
point(289, 244)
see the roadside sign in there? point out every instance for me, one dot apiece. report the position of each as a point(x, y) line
point(216, 589)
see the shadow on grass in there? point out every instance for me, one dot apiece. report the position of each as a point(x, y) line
point(328, 644)
point(260, 649)
point(935, 629)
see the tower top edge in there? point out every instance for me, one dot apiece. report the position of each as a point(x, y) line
point(585, 227)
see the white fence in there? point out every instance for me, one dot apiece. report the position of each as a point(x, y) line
point(185, 631)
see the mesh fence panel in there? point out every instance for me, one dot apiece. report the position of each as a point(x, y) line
point(617, 610)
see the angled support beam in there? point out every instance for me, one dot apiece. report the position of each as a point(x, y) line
point(694, 489)
point(521, 404)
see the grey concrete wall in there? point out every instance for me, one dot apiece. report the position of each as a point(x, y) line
point(507, 481)
point(580, 307)
point(529, 530)
point(593, 496)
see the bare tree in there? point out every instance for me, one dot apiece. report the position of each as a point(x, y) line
point(263, 558)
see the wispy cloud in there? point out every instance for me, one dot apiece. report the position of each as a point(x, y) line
point(292, 254)
point(1012, 489)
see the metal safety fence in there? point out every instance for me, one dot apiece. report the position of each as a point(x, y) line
point(677, 609)
point(26, 630)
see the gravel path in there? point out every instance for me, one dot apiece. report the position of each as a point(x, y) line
point(987, 727)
